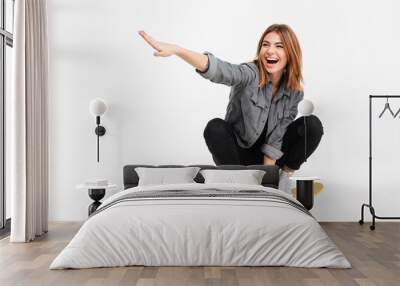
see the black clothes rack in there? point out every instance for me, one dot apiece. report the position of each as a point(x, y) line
point(369, 205)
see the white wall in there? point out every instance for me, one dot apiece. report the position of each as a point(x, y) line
point(158, 107)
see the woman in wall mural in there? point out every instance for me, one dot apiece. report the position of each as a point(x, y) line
point(259, 126)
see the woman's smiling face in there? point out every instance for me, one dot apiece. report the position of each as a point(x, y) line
point(272, 53)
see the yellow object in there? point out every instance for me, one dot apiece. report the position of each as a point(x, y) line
point(317, 187)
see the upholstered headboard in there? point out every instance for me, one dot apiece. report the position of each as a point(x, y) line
point(270, 179)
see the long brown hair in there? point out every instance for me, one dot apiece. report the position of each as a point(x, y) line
point(292, 48)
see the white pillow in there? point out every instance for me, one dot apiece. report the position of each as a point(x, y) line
point(249, 177)
point(164, 176)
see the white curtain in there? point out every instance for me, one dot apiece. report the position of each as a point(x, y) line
point(28, 121)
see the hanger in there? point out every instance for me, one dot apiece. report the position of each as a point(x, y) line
point(387, 107)
point(398, 111)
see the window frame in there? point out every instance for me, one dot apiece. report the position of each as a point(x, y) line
point(6, 39)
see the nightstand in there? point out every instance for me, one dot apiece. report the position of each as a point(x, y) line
point(96, 193)
point(304, 190)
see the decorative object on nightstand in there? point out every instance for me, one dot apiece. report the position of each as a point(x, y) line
point(305, 190)
point(98, 107)
point(317, 188)
point(96, 190)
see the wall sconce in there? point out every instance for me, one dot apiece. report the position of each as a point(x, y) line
point(97, 108)
point(305, 108)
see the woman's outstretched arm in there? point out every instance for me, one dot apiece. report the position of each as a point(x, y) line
point(206, 64)
point(197, 60)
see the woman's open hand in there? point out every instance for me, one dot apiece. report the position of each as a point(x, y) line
point(197, 60)
point(162, 49)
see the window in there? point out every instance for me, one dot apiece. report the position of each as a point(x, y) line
point(6, 44)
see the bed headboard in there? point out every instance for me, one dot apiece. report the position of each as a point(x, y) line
point(270, 179)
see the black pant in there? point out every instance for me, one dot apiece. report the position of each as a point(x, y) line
point(296, 147)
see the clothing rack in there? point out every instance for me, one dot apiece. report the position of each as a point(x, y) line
point(369, 205)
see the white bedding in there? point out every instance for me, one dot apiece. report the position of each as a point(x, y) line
point(200, 231)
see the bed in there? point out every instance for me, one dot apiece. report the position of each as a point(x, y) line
point(201, 224)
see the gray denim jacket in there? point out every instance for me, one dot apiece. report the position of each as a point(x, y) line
point(250, 107)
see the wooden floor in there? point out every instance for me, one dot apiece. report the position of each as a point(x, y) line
point(374, 255)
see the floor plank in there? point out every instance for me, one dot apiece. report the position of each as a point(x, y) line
point(374, 255)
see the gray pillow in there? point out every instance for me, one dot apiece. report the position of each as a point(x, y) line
point(163, 176)
point(249, 177)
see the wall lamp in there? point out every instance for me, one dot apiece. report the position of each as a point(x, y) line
point(305, 108)
point(97, 108)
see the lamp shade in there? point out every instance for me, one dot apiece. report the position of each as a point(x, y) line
point(305, 107)
point(97, 107)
